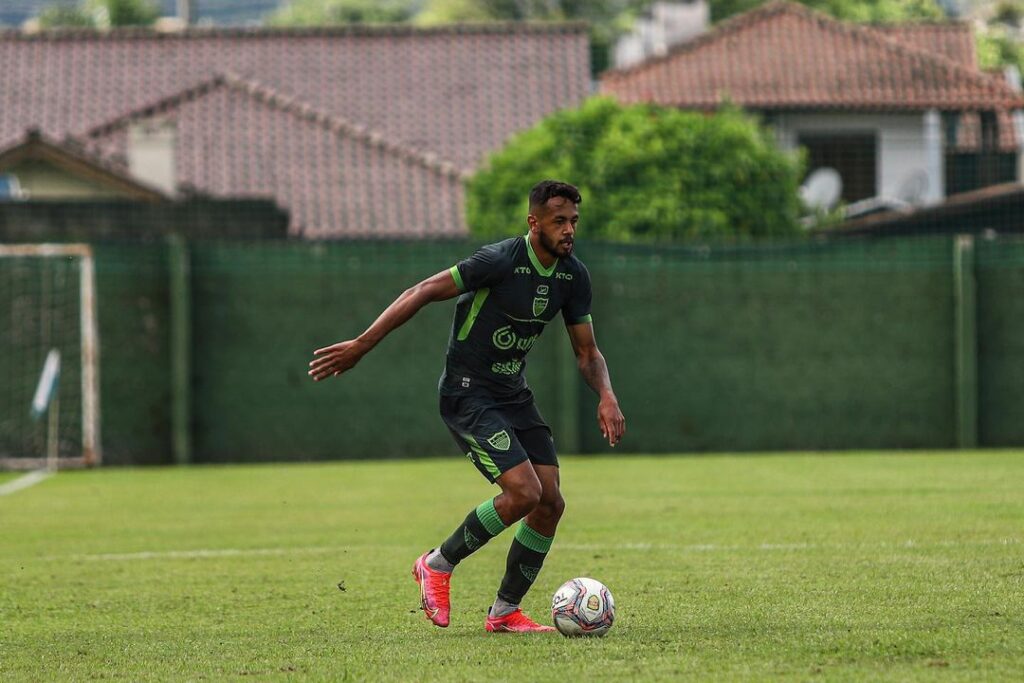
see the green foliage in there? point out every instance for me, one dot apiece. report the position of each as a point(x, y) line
point(996, 48)
point(1009, 13)
point(101, 14)
point(338, 12)
point(608, 19)
point(126, 12)
point(59, 16)
point(995, 42)
point(850, 10)
point(645, 173)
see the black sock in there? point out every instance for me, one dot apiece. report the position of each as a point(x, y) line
point(525, 559)
point(480, 526)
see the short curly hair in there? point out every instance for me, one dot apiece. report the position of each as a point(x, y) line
point(546, 189)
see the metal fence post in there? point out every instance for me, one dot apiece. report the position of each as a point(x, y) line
point(180, 290)
point(569, 396)
point(965, 304)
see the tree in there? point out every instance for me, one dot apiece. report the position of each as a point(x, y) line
point(60, 16)
point(608, 19)
point(339, 12)
point(101, 14)
point(997, 41)
point(646, 173)
point(884, 11)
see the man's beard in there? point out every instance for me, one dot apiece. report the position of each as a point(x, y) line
point(556, 249)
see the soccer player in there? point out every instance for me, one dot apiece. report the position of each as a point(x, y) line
point(508, 292)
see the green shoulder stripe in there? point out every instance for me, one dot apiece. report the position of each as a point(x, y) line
point(458, 278)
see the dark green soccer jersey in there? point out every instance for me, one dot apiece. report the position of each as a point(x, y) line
point(508, 297)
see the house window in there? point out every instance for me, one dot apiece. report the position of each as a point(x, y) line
point(10, 188)
point(968, 170)
point(853, 155)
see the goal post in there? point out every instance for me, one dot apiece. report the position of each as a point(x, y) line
point(47, 305)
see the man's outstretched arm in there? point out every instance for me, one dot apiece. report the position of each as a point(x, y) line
point(337, 358)
point(595, 371)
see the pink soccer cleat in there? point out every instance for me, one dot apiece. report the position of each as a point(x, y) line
point(516, 622)
point(433, 591)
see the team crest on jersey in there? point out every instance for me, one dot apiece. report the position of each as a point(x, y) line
point(500, 441)
point(539, 305)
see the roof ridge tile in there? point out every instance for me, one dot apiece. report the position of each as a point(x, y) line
point(256, 32)
point(270, 96)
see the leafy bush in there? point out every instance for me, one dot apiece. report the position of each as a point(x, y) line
point(645, 173)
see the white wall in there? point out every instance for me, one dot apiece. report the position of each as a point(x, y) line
point(902, 146)
point(666, 24)
point(151, 154)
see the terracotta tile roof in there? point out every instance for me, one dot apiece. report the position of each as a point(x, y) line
point(953, 40)
point(385, 101)
point(238, 137)
point(786, 56)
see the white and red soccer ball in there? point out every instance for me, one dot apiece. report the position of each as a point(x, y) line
point(583, 607)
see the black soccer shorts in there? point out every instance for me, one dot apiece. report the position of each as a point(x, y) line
point(498, 434)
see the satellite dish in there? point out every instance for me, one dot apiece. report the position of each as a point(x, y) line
point(822, 189)
point(913, 187)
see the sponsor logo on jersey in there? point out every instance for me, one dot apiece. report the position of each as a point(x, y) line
point(500, 441)
point(539, 305)
point(542, 290)
point(512, 367)
point(563, 276)
point(523, 270)
point(505, 338)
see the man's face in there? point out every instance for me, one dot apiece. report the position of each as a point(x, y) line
point(555, 225)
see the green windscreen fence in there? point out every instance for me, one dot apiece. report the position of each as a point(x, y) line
point(831, 345)
point(813, 346)
point(1000, 270)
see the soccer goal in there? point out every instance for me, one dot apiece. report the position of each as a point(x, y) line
point(49, 357)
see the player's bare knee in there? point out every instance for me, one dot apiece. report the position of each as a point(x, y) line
point(558, 507)
point(528, 497)
point(532, 498)
point(551, 507)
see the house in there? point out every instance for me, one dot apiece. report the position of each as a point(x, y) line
point(899, 113)
point(661, 26)
point(57, 190)
point(363, 131)
point(38, 168)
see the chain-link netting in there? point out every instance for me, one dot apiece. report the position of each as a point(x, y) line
point(40, 310)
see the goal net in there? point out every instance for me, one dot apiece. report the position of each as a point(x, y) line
point(47, 309)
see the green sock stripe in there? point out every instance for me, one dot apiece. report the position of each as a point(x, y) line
point(488, 516)
point(533, 540)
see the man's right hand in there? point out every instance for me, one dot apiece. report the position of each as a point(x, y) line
point(335, 359)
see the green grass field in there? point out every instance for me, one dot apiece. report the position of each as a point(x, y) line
point(849, 567)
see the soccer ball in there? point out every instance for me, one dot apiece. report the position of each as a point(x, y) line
point(583, 607)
